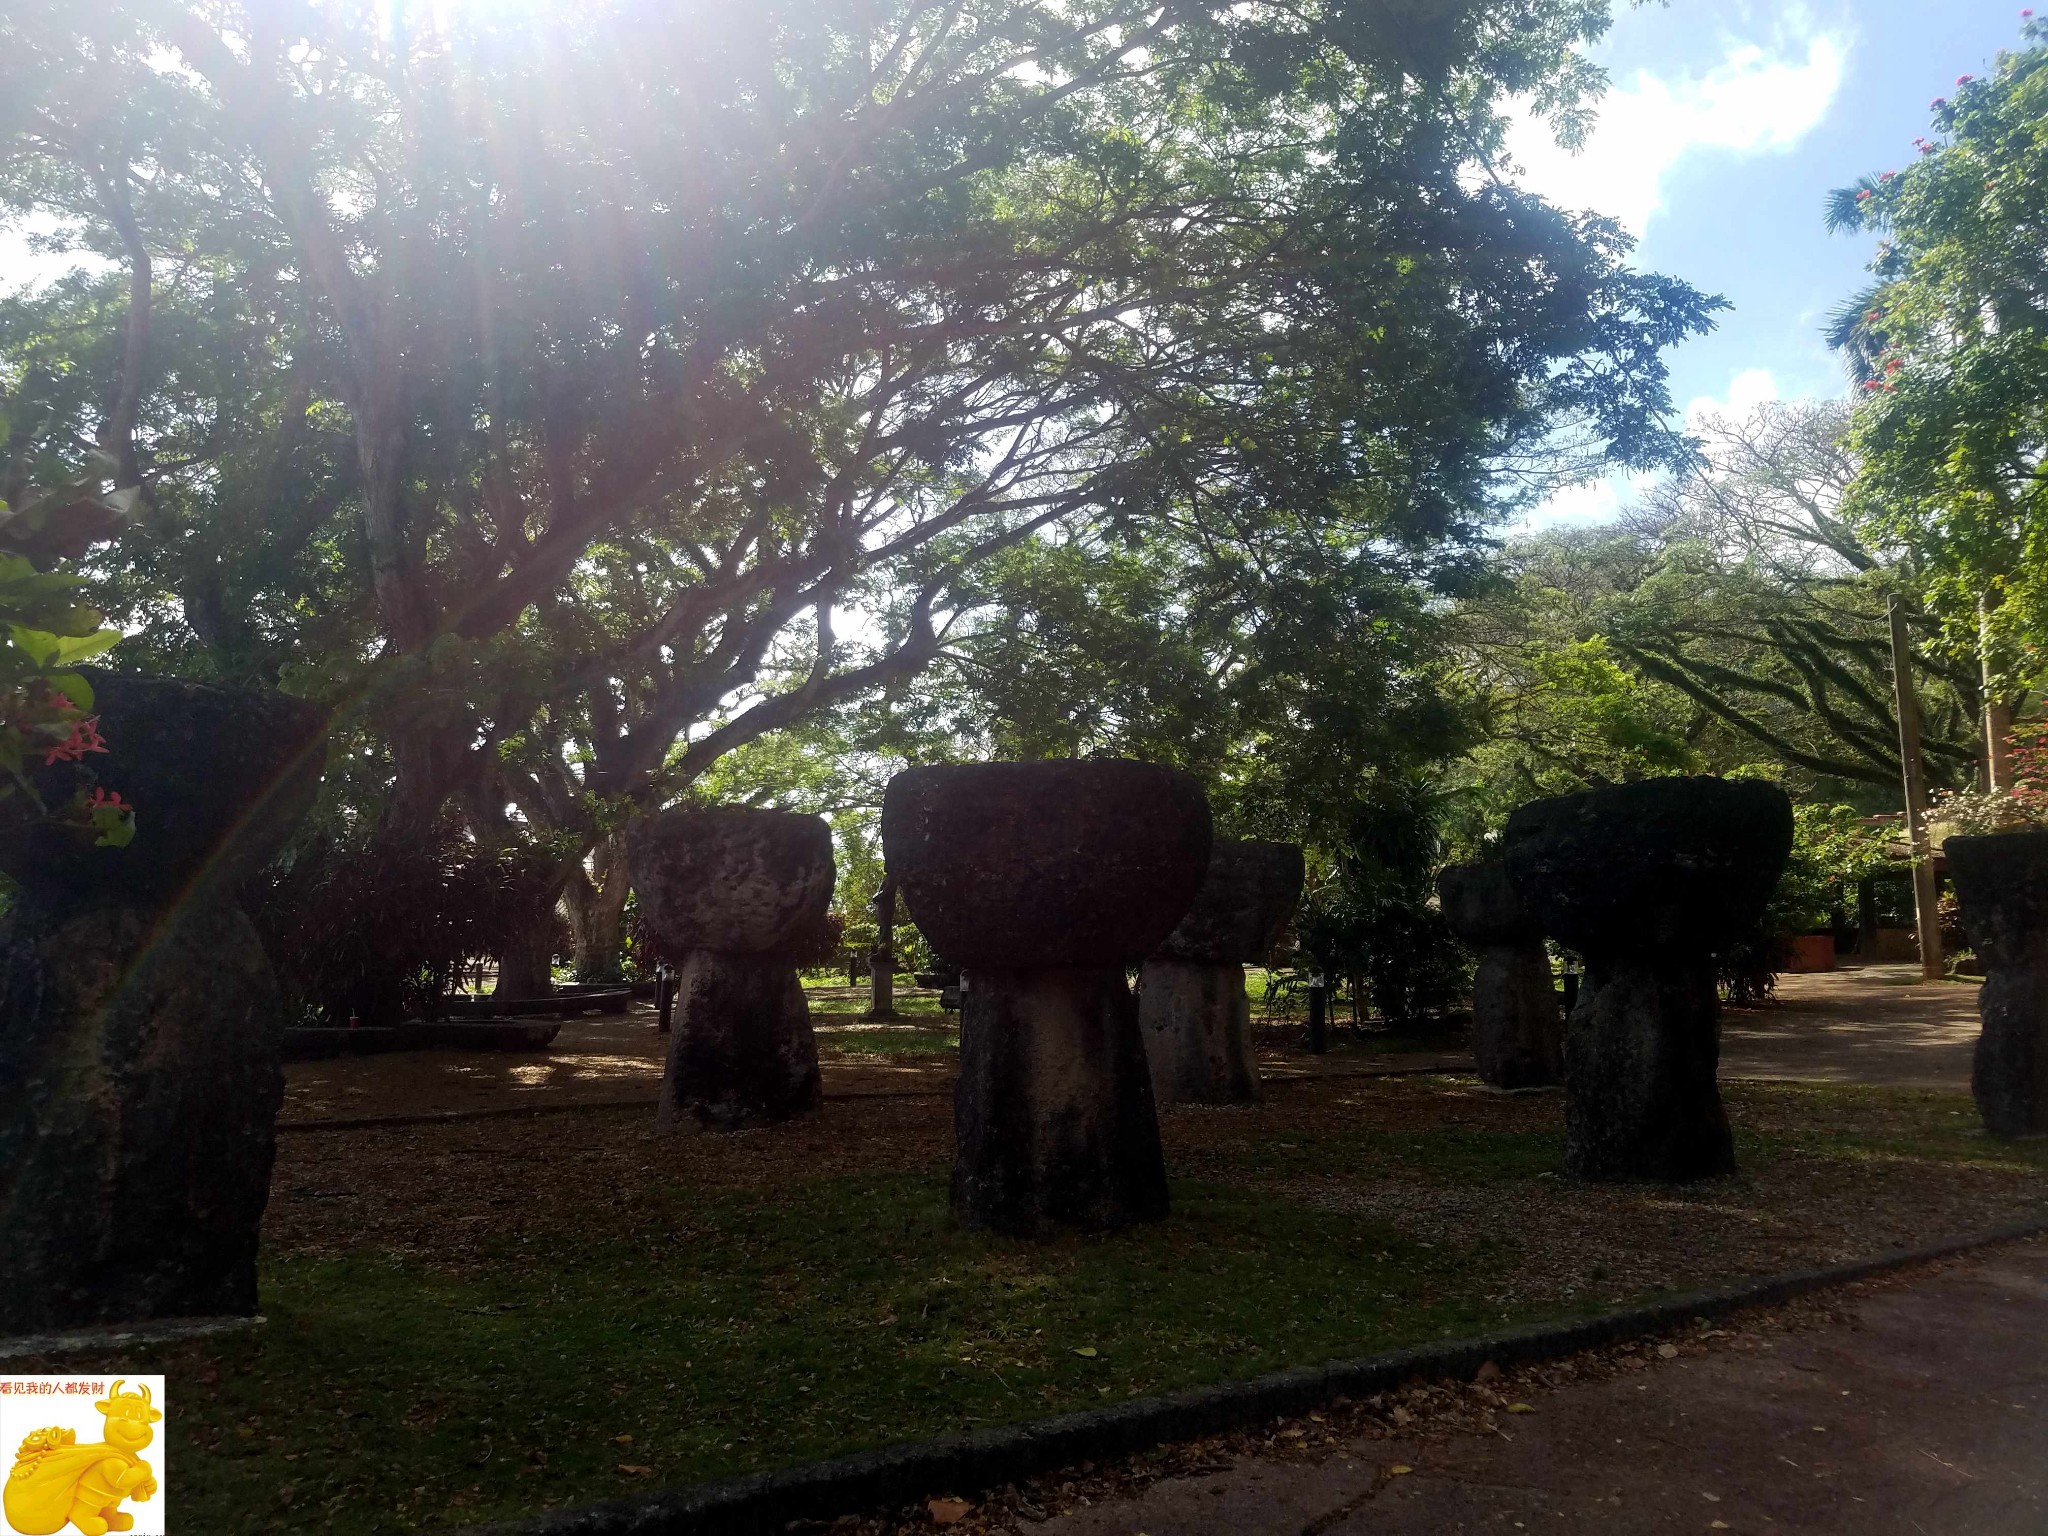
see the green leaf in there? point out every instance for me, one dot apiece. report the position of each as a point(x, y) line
point(116, 828)
point(73, 687)
point(60, 649)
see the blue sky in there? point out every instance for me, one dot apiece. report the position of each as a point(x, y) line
point(1725, 125)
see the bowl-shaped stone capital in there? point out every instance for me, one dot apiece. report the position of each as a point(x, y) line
point(1678, 864)
point(1051, 864)
point(2001, 885)
point(1480, 904)
point(219, 778)
point(1243, 906)
point(736, 881)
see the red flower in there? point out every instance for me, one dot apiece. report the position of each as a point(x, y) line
point(1938, 103)
point(85, 737)
point(1863, 196)
point(1964, 79)
point(1893, 365)
point(108, 800)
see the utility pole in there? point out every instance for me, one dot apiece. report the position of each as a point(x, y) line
point(1926, 897)
point(882, 958)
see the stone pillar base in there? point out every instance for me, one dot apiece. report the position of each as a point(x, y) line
point(2009, 1077)
point(1197, 1026)
point(1053, 1118)
point(1641, 1100)
point(1517, 1026)
point(140, 1081)
point(742, 1052)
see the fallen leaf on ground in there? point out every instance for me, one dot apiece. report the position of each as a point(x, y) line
point(1520, 1408)
point(1397, 1470)
point(627, 1468)
point(1086, 1351)
point(1667, 1351)
point(948, 1511)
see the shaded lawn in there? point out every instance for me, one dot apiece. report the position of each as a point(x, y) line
point(427, 1367)
point(850, 1313)
point(855, 1040)
point(911, 1005)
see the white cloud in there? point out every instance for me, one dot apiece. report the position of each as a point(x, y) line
point(1754, 101)
point(1746, 391)
point(1595, 501)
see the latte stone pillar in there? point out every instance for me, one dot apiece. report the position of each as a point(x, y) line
point(2001, 883)
point(1044, 881)
point(141, 1028)
point(738, 893)
point(1517, 1026)
point(1192, 1007)
point(1648, 881)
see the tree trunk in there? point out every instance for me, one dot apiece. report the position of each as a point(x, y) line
point(1866, 918)
point(597, 912)
point(882, 958)
point(526, 968)
point(1997, 712)
point(1926, 900)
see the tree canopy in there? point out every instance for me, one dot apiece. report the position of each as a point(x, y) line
point(574, 396)
point(1950, 345)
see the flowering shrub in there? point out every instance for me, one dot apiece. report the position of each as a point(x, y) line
point(2022, 808)
point(45, 706)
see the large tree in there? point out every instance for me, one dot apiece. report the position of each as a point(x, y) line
point(579, 394)
point(1950, 345)
point(1737, 614)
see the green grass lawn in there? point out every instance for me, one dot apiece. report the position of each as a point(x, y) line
point(888, 1040)
point(850, 1313)
point(827, 1002)
point(716, 1313)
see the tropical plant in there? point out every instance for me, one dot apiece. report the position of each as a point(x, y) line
point(45, 631)
point(1950, 343)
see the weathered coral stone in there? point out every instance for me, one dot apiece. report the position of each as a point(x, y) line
point(140, 1028)
point(1043, 881)
point(1517, 1026)
point(736, 892)
point(1192, 1008)
point(2001, 884)
point(1648, 881)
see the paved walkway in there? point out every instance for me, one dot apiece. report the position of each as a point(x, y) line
point(1870, 1024)
point(1927, 1415)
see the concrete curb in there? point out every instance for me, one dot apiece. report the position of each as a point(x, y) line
point(116, 1336)
point(964, 1465)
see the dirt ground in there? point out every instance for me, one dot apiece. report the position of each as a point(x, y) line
point(1875, 1024)
point(1869, 1024)
point(1385, 1148)
point(618, 1060)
